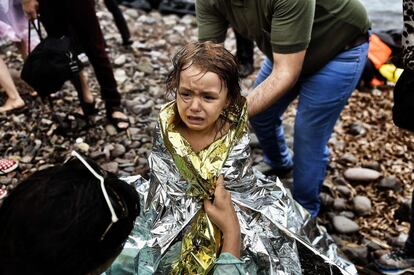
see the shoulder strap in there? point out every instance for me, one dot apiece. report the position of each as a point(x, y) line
point(33, 23)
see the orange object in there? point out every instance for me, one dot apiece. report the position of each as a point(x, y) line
point(378, 52)
point(376, 82)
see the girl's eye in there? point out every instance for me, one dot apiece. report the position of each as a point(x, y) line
point(185, 95)
point(209, 98)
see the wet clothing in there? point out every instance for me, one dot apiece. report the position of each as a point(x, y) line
point(323, 27)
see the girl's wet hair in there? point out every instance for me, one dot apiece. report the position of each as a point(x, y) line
point(209, 57)
point(53, 222)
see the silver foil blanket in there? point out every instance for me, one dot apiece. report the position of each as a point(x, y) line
point(276, 231)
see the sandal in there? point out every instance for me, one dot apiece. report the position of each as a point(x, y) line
point(7, 166)
point(116, 121)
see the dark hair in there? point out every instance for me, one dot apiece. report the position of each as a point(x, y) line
point(53, 221)
point(209, 57)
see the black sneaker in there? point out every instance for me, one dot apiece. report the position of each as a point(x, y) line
point(396, 262)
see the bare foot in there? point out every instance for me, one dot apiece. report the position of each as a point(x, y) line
point(120, 115)
point(12, 104)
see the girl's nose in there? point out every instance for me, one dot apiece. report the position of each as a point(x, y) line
point(195, 104)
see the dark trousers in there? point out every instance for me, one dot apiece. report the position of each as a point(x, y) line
point(119, 19)
point(77, 18)
point(245, 49)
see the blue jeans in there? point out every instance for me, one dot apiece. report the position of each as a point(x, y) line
point(322, 96)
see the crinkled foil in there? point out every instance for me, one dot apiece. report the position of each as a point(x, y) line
point(275, 230)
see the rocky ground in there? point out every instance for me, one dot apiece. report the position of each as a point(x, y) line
point(368, 186)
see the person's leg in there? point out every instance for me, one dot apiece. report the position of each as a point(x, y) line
point(268, 125)
point(14, 101)
point(120, 22)
point(322, 97)
point(244, 55)
point(89, 34)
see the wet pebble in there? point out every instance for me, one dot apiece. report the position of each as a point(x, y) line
point(362, 205)
point(361, 174)
point(343, 190)
point(118, 150)
point(340, 204)
point(390, 183)
point(344, 225)
point(111, 167)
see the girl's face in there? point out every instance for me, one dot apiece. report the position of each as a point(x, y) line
point(200, 100)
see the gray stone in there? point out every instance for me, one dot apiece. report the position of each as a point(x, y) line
point(96, 154)
point(340, 181)
point(83, 147)
point(145, 65)
point(326, 199)
point(362, 205)
point(361, 174)
point(344, 225)
point(5, 180)
point(390, 183)
point(357, 254)
point(343, 190)
point(143, 109)
point(348, 214)
point(120, 60)
point(372, 165)
point(27, 159)
point(118, 150)
point(110, 167)
point(348, 158)
point(340, 204)
point(133, 131)
point(111, 130)
point(120, 76)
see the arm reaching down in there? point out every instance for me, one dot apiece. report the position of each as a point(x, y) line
point(285, 73)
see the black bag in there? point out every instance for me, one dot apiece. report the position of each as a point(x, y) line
point(50, 64)
point(403, 109)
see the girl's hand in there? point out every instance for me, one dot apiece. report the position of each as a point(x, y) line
point(222, 214)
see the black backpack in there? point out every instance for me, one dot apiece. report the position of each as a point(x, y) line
point(50, 64)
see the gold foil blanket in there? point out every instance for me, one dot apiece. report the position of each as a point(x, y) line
point(273, 225)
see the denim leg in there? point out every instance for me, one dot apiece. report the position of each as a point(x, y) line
point(322, 97)
point(268, 125)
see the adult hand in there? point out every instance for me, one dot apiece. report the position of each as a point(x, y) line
point(222, 213)
point(30, 8)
